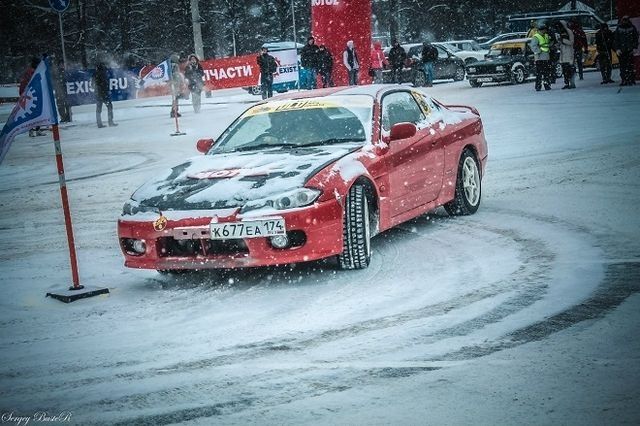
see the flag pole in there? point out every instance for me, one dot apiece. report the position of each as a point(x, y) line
point(67, 212)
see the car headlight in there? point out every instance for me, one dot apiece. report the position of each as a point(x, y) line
point(300, 197)
point(471, 69)
point(132, 207)
point(499, 68)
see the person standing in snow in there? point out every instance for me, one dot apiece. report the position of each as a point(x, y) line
point(625, 40)
point(397, 57)
point(268, 67)
point(103, 94)
point(194, 75)
point(309, 61)
point(580, 45)
point(429, 56)
point(566, 43)
point(540, 45)
point(351, 62)
point(24, 81)
point(60, 86)
point(325, 66)
point(378, 62)
point(176, 81)
point(604, 45)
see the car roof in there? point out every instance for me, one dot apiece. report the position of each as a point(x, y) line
point(373, 90)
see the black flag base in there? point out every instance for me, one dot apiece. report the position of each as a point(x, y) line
point(75, 293)
point(177, 133)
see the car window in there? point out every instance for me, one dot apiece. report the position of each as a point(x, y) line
point(467, 46)
point(400, 107)
point(415, 51)
point(441, 52)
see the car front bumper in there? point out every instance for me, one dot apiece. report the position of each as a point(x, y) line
point(488, 78)
point(316, 229)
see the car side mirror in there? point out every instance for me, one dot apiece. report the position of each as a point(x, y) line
point(402, 131)
point(204, 145)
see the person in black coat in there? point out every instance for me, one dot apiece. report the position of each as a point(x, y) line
point(194, 74)
point(397, 57)
point(309, 61)
point(60, 86)
point(268, 66)
point(325, 66)
point(625, 40)
point(103, 94)
point(604, 46)
point(429, 56)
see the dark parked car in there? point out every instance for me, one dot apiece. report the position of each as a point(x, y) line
point(510, 61)
point(447, 66)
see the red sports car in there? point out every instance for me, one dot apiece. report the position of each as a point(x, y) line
point(308, 176)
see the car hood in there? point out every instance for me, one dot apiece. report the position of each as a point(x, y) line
point(229, 180)
point(492, 62)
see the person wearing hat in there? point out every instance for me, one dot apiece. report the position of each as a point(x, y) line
point(397, 57)
point(533, 28)
point(604, 45)
point(309, 61)
point(351, 62)
point(540, 45)
point(429, 56)
point(268, 66)
point(625, 40)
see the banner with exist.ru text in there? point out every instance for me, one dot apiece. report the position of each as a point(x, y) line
point(80, 86)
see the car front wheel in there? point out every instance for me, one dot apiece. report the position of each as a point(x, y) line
point(468, 187)
point(518, 75)
point(475, 83)
point(419, 79)
point(356, 233)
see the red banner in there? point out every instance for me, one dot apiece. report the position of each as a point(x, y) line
point(238, 71)
point(333, 23)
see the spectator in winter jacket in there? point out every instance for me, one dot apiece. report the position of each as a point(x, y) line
point(625, 40)
point(429, 56)
point(309, 61)
point(540, 46)
point(378, 62)
point(24, 81)
point(604, 45)
point(103, 94)
point(567, 56)
point(351, 62)
point(194, 74)
point(325, 66)
point(58, 77)
point(579, 45)
point(176, 81)
point(268, 66)
point(397, 57)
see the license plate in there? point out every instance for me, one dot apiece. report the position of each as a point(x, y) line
point(248, 229)
point(485, 79)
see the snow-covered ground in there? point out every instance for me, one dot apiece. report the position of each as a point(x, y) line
point(526, 312)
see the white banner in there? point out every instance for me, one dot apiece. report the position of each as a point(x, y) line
point(287, 61)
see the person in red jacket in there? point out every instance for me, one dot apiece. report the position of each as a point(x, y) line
point(24, 80)
point(579, 44)
point(378, 62)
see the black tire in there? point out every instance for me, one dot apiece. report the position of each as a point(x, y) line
point(459, 75)
point(419, 79)
point(356, 231)
point(558, 70)
point(475, 83)
point(518, 76)
point(256, 90)
point(468, 187)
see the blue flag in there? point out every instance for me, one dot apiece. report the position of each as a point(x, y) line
point(36, 107)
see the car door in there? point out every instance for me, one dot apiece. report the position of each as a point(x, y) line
point(444, 66)
point(412, 163)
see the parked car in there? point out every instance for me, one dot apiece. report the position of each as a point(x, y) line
point(308, 176)
point(510, 61)
point(469, 50)
point(502, 37)
point(447, 66)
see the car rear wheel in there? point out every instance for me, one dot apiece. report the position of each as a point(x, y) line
point(356, 233)
point(419, 79)
point(468, 187)
point(475, 83)
point(256, 90)
point(459, 75)
point(518, 75)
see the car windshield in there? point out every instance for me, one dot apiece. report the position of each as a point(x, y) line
point(496, 51)
point(298, 123)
